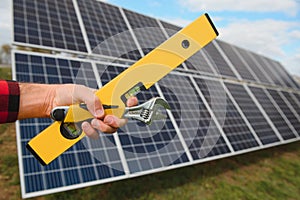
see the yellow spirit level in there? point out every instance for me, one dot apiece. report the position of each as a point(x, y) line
point(52, 141)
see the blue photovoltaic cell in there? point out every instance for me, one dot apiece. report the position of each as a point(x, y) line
point(221, 66)
point(201, 62)
point(48, 23)
point(285, 109)
point(281, 76)
point(196, 125)
point(267, 70)
point(76, 165)
point(290, 97)
point(146, 29)
point(236, 61)
point(276, 73)
point(171, 29)
point(253, 114)
point(254, 66)
point(297, 96)
point(102, 22)
point(286, 77)
point(273, 113)
point(234, 126)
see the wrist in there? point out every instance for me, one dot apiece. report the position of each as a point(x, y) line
point(36, 100)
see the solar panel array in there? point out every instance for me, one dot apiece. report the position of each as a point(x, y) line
point(224, 100)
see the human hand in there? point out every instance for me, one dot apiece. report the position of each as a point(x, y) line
point(68, 94)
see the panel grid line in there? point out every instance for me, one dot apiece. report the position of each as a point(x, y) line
point(233, 125)
point(176, 127)
point(131, 32)
point(282, 113)
point(273, 112)
point(270, 71)
point(295, 99)
point(292, 109)
point(263, 112)
point(212, 114)
point(229, 63)
point(85, 37)
point(243, 116)
point(245, 63)
point(287, 76)
point(261, 68)
point(209, 63)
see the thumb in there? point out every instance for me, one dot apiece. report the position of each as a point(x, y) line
point(95, 107)
point(86, 95)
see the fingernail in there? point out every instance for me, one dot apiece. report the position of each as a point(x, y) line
point(109, 120)
point(94, 123)
point(85, 125)
point(99, 113)
point(130, 102)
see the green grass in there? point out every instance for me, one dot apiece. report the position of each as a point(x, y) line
point(268, 174)
point(9, 167)
point(5, 73)
point(3, 127)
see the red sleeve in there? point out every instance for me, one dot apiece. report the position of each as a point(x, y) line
point(9, 101)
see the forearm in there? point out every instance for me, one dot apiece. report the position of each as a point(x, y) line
point(36, 100)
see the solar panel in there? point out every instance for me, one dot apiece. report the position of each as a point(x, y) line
point(221, 65)
point(297, 96)
point(291, 117)
point(254, 66)
point(276, 77)
point(147, 31)
point(292, 102)
point(103, 21)
point(235, 128)
point(46, 23)
point(202, 137)
point(202, 63)
point(286, 77)
point(283, 78)
point(254, 115)
point(273, 112)
point(272, 78)
point(237, 62)
point(170, 28)
point(224, 100)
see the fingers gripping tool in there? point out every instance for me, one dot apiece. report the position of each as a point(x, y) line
point(147, 112)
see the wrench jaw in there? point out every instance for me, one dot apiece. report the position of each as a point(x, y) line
point(148, 111)
point(159, 112)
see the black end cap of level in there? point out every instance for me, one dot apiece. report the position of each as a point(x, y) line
point(212, 24)
point(35, 154)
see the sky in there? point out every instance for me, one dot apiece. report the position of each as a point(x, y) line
point(268, 27)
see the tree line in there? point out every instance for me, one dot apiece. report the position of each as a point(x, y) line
point(5, 54)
